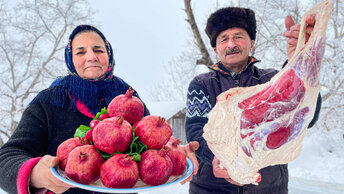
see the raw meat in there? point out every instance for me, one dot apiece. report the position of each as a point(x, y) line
point(254, 127)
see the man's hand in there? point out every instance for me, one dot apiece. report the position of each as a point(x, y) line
point(190, 153)
point(292, 33)
point(222, 172)
point(42, 177)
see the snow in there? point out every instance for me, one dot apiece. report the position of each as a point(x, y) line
point(318, 170)
point(316, 162)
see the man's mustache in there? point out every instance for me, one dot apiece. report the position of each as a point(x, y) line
point(232, 50)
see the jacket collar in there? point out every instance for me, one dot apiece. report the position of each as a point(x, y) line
point(220, 68)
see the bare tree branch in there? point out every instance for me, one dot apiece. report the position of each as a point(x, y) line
point(31, 42)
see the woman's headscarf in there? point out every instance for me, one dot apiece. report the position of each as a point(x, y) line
point(68, 51)
point(87, 96)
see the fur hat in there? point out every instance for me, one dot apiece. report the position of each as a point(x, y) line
point(230, 17)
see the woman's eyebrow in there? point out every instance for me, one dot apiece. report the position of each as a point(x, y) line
point(79, 48)
point(97, 46)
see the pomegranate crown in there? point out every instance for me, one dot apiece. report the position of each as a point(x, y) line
point(119, 120)
point(161, 121)
point(82, 156)
point(82, 140)
point(129, 92)
point(175, 142)
point(163, 152)
point(126, 160)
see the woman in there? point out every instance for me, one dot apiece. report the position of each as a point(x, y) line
point(56, 112)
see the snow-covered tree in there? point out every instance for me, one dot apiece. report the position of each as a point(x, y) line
point(332, 78)
point(33, 35)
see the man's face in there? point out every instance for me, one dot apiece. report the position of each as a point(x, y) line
point(233, 47)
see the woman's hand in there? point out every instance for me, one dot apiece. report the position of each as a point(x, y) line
point(292, 32)
point(222, 172)
point(189, 150)
point(42, 177)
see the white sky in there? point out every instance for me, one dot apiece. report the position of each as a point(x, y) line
point(146, 35)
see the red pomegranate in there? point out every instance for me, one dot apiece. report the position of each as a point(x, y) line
point(66, 147)
point(128, 106)
point(153, 131)
point(83, 165)
point(88, 135)
point(112, 135)
point(177, 155)
point(155, 167)
point(120, 171)
point(94, 123)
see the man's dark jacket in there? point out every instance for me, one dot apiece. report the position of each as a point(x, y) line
point(202, 94)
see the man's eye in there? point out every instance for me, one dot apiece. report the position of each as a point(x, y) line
point(99, 51)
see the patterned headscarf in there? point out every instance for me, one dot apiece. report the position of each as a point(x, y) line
point(68, 51)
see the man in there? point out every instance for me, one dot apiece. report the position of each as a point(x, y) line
point(232, 32)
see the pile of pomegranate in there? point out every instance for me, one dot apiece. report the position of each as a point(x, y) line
point(120, 146)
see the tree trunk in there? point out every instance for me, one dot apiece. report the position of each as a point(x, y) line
point(205, 60)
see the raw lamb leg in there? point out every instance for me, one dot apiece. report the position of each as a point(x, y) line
point(253, 127)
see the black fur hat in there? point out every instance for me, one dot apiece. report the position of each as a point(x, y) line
point(230, 17)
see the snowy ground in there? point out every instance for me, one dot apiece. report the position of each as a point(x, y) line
point(315, 171)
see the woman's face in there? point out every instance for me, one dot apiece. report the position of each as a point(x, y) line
point(89, 54)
